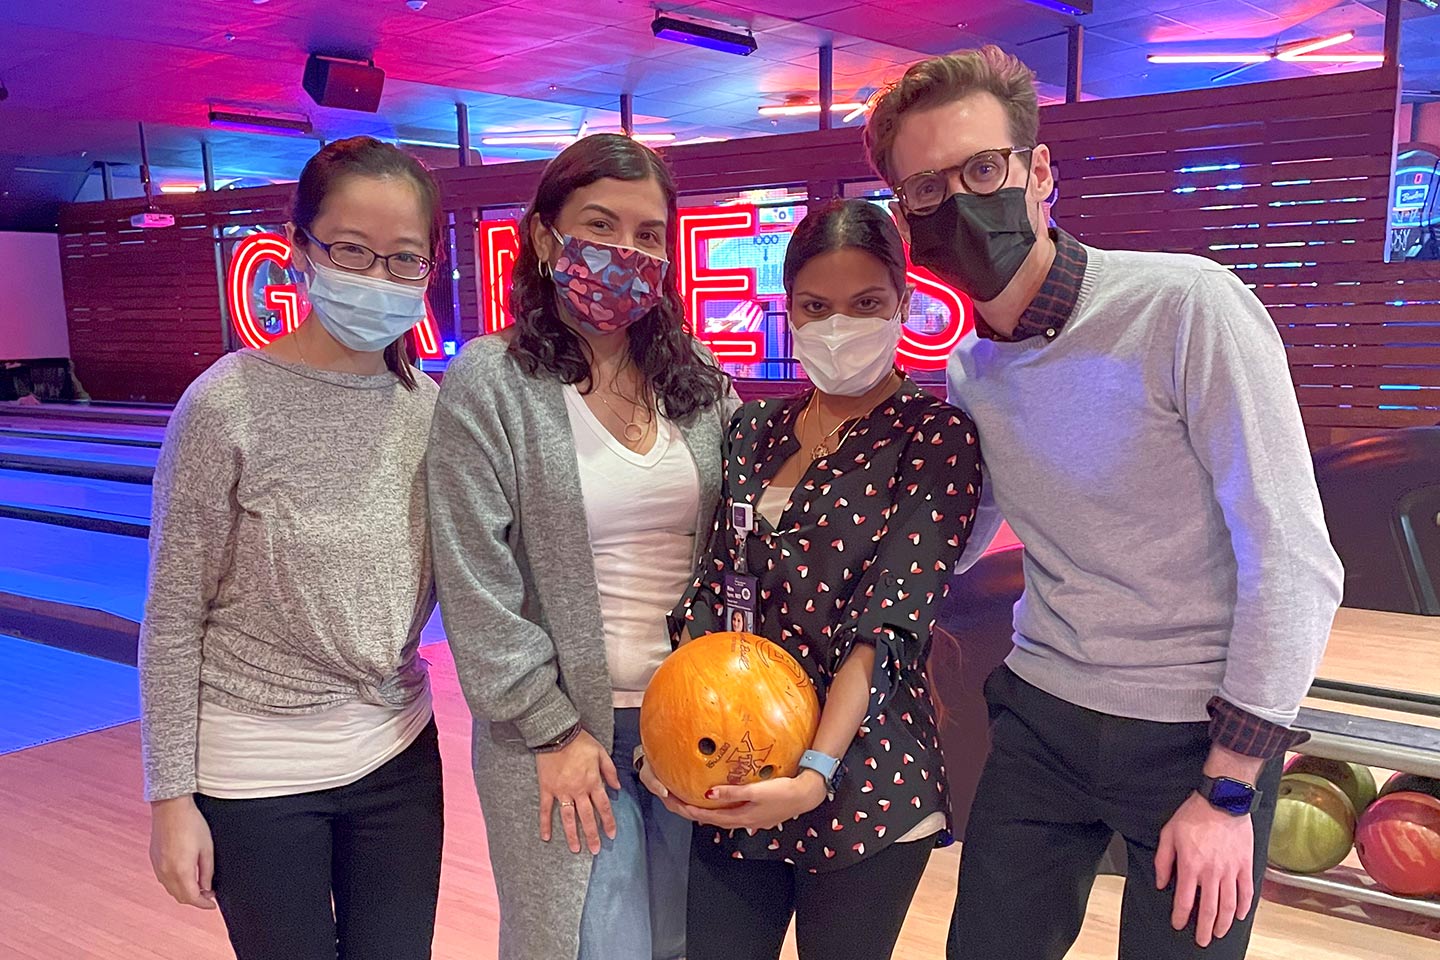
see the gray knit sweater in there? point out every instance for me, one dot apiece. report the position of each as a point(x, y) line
point(289, 551)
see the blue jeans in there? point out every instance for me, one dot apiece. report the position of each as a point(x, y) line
point(635, 904)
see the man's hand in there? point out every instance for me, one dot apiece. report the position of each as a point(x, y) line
point(1211, 854)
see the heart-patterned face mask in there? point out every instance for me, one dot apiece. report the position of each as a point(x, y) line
point(605, 286)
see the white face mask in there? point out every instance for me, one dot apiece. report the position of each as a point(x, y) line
point(363, 313)
point(846, 356)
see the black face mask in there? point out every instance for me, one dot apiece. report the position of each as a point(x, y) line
point(975, 243)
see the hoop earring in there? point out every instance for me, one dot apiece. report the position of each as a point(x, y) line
point(543, 268)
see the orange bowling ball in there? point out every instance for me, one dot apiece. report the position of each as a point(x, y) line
point(726, 708)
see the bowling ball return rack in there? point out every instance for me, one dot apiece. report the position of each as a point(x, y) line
point(1389, 744)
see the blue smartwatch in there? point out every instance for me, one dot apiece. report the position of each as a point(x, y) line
point(827, 766)
point(1234, 797)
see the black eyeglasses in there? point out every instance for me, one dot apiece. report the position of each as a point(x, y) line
point(357, 257)
point(983, 174)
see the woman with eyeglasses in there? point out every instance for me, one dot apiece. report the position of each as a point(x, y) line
point(859, 495)
point(291, 758)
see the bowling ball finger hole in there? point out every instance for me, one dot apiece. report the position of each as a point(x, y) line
point(707, 746)
point(766, 772)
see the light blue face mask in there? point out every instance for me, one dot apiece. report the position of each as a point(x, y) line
point(363, 313)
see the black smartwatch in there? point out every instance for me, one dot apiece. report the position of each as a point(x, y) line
point(1235, 797)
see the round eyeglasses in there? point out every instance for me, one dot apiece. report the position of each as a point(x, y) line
point(354, 256)
point(983, 174)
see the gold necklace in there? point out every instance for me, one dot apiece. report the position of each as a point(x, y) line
point(819, 450)
point(635, 431)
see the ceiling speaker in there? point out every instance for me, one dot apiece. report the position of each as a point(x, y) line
point(344, 84)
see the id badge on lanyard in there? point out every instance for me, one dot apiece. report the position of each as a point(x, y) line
point(741, 589)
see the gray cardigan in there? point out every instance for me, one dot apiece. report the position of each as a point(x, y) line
point(521, 608)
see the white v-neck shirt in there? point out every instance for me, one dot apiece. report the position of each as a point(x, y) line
point(642, 512)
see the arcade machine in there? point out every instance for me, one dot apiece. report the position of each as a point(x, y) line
point(1414, 213)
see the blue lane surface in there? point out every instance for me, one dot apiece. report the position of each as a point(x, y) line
point(48, 694)
point(97, 430)
point(98, 571)
point(77, 451)
point(76, 496)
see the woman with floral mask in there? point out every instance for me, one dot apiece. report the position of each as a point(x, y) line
point(860, 494)
point(291, 758)
point(573, 460)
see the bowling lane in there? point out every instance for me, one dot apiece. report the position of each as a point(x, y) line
point(97, 571)
point(131, 434)
point(1400, 651)
point(79, 458)
point(26, 494)
point(17, 448)
point(154, 415)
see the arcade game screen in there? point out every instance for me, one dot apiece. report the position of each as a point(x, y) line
point(1414, 216)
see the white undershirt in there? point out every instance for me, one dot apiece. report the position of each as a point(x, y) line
point(772, 503)
point(772, 507)
point(243, 756)
point(642, 512)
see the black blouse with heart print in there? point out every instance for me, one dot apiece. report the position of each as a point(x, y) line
point(862, 554)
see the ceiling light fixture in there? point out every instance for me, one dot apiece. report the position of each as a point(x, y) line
point(260, 123)
point(702, 35)
point(564, 139)
point(1075, 8)
point(1302, 51)
point(427, 143)
point(800, 109)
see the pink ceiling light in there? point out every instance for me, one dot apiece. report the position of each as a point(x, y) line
point(801, 109)
point(1303, 51)
point(565, 139)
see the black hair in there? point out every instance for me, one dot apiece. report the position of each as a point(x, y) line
point(660, 343)
point(846, 225)
point(368, 157)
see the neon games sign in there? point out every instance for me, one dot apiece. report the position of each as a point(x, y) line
point(254, 254)
point(498, 244)
point(701, 285)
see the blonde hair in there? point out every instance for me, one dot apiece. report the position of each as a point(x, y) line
point(941, 80)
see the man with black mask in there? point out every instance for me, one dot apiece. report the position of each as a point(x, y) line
point(1143, 440)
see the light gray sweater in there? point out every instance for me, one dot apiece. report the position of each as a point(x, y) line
point(289, 551)
point(522, 610)
point(1152, 460)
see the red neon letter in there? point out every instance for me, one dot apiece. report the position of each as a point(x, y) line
point(928, 351)
point(285, 299)
point(245, 263)
point(498, 247)
point(700, 285)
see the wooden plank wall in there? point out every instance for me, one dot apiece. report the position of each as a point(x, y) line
point(144, 305)
point(1286, 182)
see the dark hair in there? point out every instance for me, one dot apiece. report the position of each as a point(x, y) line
point(846, 225)
point(368, 157)
point(660, 343)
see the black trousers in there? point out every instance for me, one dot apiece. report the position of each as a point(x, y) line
point(1060, 782)
point(350, 873)
point(741, 909)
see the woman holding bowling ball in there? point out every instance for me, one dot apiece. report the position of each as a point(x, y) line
point(849, 506)
point(574, 463)
point(291, 759)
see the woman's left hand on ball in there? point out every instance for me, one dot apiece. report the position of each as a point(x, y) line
point(764, 805)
